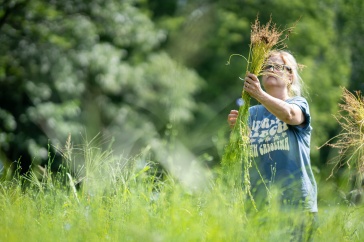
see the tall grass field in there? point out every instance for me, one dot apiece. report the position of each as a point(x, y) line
point(131, 200)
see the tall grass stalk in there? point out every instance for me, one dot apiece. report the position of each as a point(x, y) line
point(350, 142)
point(237, 158)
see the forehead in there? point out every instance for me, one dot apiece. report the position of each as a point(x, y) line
point(276, 58)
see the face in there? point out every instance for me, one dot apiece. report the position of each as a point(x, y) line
point(276, 73)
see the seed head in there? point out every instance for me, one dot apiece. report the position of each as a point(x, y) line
point(267, 34)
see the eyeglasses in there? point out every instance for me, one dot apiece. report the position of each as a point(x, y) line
point(276, 66)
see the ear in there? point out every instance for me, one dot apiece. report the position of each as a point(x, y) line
point(290, 77)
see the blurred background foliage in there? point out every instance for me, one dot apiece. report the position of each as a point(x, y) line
point(148, 72)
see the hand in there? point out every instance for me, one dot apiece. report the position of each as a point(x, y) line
point(232, 117)
point(252, 86)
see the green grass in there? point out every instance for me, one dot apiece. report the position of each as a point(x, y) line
point(131, 203)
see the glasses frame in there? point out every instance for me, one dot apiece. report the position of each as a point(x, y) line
point(276, 66)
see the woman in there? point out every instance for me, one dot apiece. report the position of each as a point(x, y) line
point(280, 133)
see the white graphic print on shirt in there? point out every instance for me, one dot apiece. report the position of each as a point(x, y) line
point(267, 136)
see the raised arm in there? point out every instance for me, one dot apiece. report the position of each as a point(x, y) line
point(274, 101)
point(289, 113)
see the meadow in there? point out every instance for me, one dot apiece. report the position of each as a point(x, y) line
point(131, 200)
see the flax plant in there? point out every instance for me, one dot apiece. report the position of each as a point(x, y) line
point(350, 142)
point(237, 153)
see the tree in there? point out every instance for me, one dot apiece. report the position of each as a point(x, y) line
point(86, 67)
point(352, 32)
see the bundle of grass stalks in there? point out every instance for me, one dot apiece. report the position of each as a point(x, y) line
point(350, 141)
point(237, 153)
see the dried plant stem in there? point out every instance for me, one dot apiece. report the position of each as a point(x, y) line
point(350, 141)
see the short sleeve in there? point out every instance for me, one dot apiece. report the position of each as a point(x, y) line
point(303, 105)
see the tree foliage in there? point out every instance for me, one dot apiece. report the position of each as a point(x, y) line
point(136, 69)
point(85, 67)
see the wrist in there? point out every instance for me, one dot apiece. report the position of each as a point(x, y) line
point(262, 97)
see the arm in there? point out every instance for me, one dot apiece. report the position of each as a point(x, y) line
point(289, 113)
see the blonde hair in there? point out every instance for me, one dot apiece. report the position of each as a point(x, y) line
point(295, 88)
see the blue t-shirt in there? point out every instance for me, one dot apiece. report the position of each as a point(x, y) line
point(281, 155)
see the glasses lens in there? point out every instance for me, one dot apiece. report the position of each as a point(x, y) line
point(268, 67)
point(279, 67)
